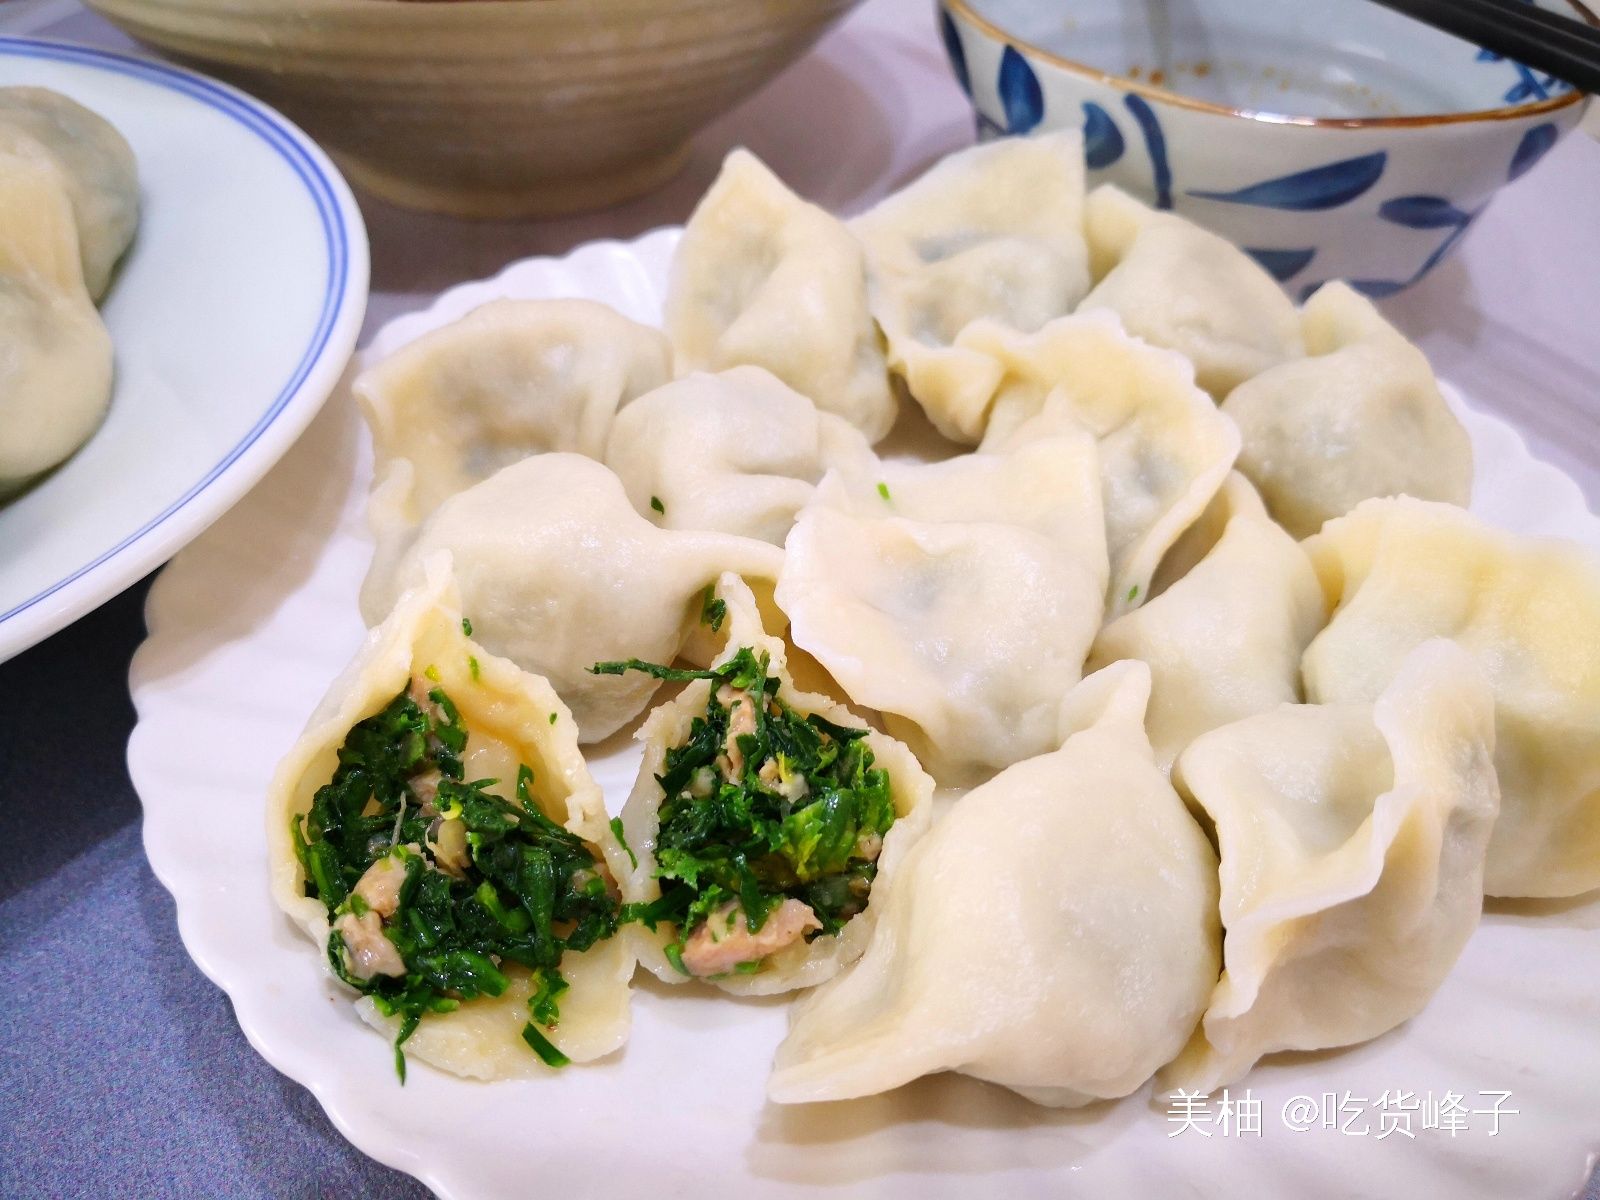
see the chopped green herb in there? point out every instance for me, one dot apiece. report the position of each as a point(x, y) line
point(655, 503)
point(762, 804)
point(883, 490)
point(1133, 593)
point(466, 627)
point(472, 666)
point(552, 718)
point(433, 674)
point(622, 840)
point(487, 882)
point(713, 609)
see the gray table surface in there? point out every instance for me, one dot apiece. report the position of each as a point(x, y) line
point(122, 1072)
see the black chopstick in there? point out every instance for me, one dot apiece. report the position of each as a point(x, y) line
point(1561, 46)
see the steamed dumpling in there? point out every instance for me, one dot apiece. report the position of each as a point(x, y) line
point(557, 572)
point(992, 233)
point(1164, 448)
point(808, 883)
point(961, 604)
point(1223, 641)
point(510, 379)
point(1352, 840)
point(1183, 287)
point(55, 353)
point(1055, 932)
point(736, 452)
point(1360, 417)
point(762, 278)
point(510, 720)
point(96, 164)
point(1397, 572)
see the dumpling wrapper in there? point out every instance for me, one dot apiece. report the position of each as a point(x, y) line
point(802, 964)
point(1361, 416)
point(1055, 932)
point(1164, 448)
point(735, 452)
point(1353, 840)
point(1224, 640)
point(507, 713)
point(762, 278)
point(510, 379)
point(97, 165)
point(557, 573)
point(1397, 572)
point(55, 353)
point(961, 606)
point(994, 233)
point(1183, 287)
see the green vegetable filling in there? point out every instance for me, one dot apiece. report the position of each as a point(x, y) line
point(433, 883)
point(761, 804)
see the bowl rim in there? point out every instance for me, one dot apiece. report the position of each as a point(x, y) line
point(965, 11)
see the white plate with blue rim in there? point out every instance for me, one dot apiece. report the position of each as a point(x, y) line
point(1488, 1093)
point(232, 316)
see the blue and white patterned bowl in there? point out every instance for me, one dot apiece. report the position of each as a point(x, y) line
point(1333, 139)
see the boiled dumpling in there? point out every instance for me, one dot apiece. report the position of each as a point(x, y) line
point(1164, 448)
point(1352, 840)
point(1055, 932)
point(510, 379)
point(97, 166)
point(1362, 416)
point(845, 802)
point(737, 452)
point(381, 787)
point(1223, 641)
point(961, 605)
point(1183, 287)
point(1400, 571)
point(989, 233)
point(557, 572)
point(55, 353)
point(763, 278)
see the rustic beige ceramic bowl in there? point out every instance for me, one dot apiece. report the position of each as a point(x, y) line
point(491, 108)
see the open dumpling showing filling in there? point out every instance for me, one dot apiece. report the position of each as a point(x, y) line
point(761, 818)
point(436, 832)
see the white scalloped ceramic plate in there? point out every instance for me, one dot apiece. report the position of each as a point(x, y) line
point(249, 624)
point(231, 316)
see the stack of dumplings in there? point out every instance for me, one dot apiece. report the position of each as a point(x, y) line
point(1237, 711)
point(69, 205)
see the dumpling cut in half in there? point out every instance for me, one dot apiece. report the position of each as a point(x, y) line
point(762, 278)
point(559, 572)
point(762, 819)
point(1055, 932)
point(991, 233)
point(958, 599)
point(1360, 416)
point(735, 452)
point(1352, 840)
point(1400, 571)
point(1183, 287)
point(436, 833)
